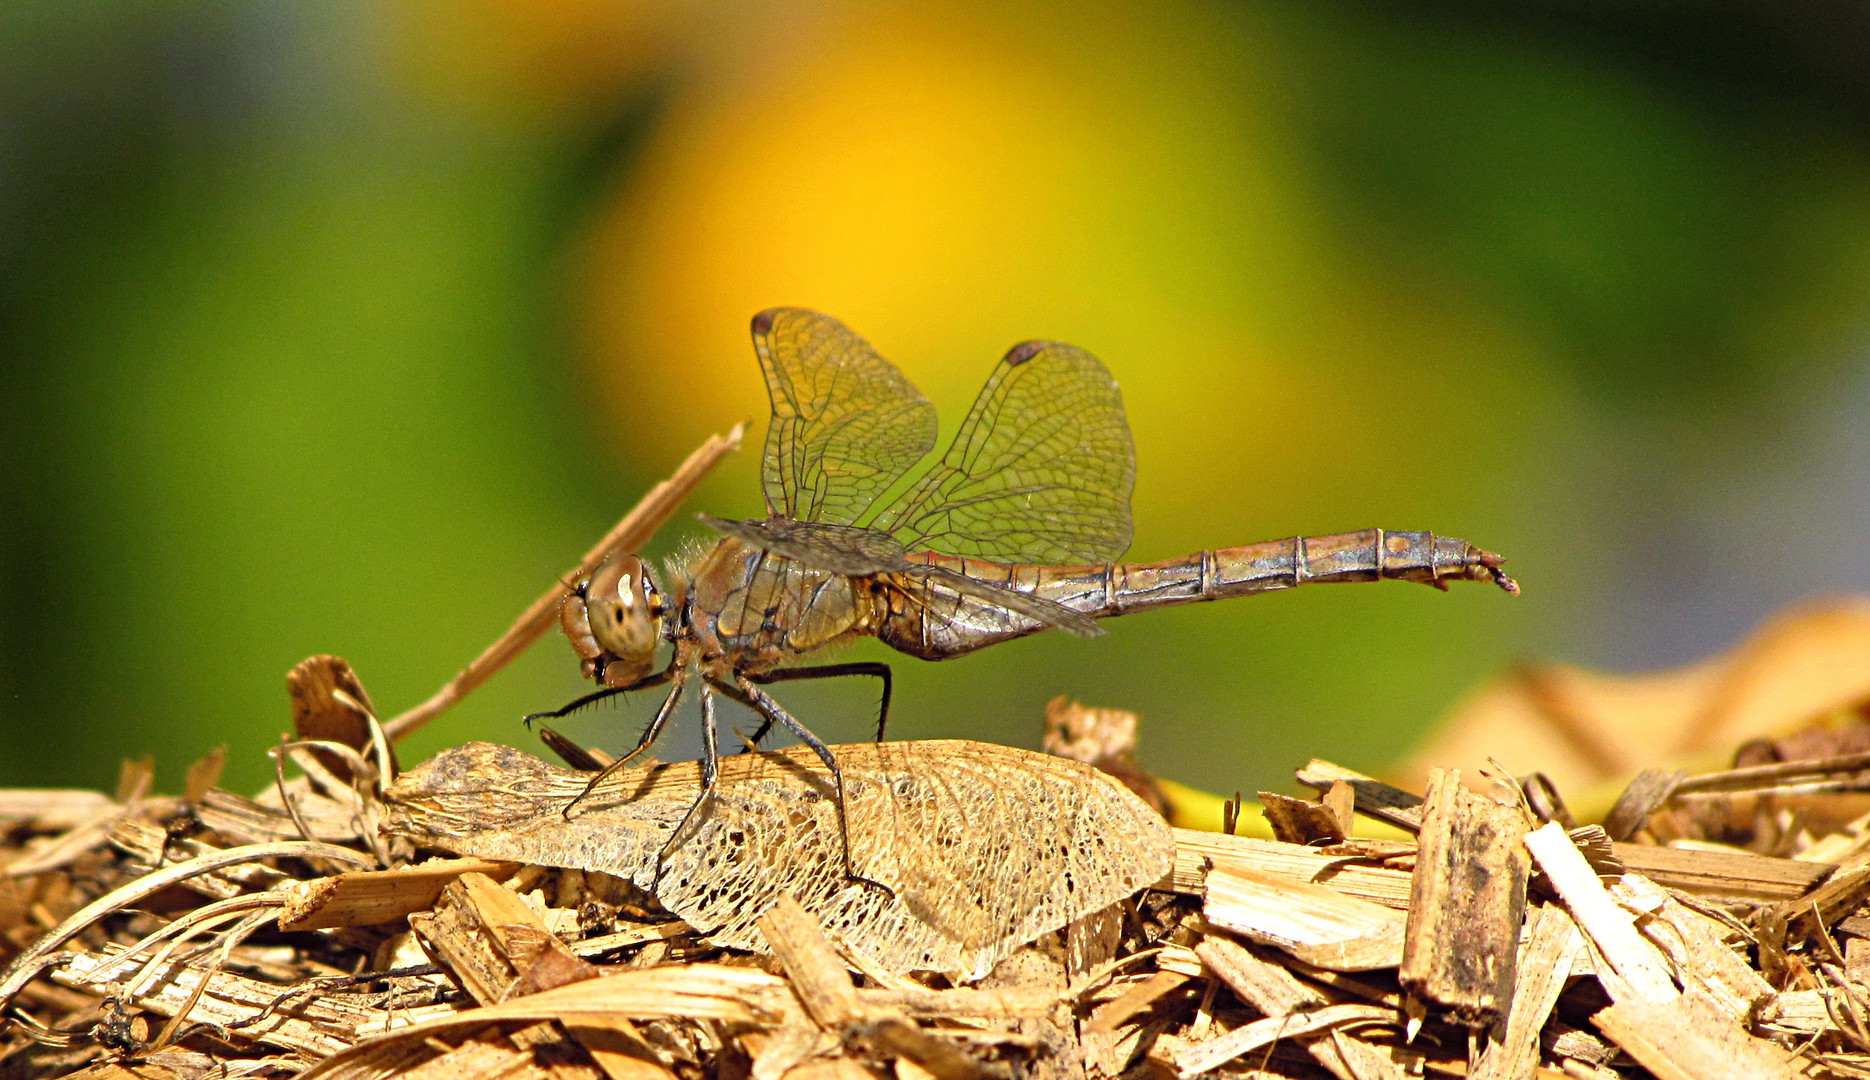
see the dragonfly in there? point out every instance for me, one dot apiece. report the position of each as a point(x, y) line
point(1016, 528)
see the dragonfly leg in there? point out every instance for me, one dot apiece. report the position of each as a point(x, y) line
point(772, 710)
point(832, 671)
point(677, 675)
point(596, 696)
point(710, 760)
point(734, 693)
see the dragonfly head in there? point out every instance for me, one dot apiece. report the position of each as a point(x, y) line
point(615, 621)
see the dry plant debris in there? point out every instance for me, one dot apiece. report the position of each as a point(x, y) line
point(453, 921)
point(970, 850)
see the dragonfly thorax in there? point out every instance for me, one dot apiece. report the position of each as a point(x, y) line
point(616, 620)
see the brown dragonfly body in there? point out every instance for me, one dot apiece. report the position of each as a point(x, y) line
point(1015, 529)
point(754, 622)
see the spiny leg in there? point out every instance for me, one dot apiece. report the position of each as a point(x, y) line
point(591, 698)
point(772, 710)
point(766, 724)
point(734, 693)
point(831, 671)
point(710, 760)
point(679, 676)
point(596, 696)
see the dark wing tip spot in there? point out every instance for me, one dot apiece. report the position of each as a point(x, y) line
point(1025, 351)
point(763, 322)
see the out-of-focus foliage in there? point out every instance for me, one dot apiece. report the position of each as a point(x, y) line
point(344, 327)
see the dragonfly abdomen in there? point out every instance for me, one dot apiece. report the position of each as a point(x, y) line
point(946, 624)
point(1364, 555)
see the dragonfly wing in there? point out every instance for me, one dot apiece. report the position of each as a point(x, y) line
point(1040, 472)
point(846, 424)
point(1033, 607)
point(844, 549)
point(837, 549)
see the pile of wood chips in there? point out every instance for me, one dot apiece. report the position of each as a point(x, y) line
point(214, 935)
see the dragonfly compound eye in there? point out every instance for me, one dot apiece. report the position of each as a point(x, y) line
point(620, 604)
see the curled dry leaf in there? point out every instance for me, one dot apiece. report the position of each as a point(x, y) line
point(330, 704)
point(982, 848)
point(1583, 727)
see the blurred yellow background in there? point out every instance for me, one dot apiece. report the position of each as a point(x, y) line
point(344, 327)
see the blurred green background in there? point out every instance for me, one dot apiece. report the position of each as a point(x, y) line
point(345, 327)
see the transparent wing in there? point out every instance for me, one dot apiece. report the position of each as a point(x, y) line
point(1040, 472)
point(1037, 608)
point(846, 424)
point(843, 549)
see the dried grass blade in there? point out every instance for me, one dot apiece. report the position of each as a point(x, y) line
point(27, 964)
point(693, 992)
point(631, 533)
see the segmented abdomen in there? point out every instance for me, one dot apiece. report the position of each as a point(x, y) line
point(927, 620)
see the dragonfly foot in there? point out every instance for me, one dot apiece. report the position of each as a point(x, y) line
point(853, 876)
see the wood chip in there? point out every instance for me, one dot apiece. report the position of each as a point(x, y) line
point(1813, 913)
point(1296, 821)
point(148, 968)
point(623, 939)
point(203, 775)
point(1687, 1037)
point(942, 1060)
point(1730, 876)
point(1723, 876)
point(1341, 799)
point(1104, 739)
point(831, 1000)
point(1468, 904)
point(1196, 851)
point(1642, 972)
point(1276, 993)
point(494, 943)
point(1544, 964)
point(1319, 925)
point(1543, 797)
point(1092, 941)
point(1696, 946)
point(1777, 774)
point(1113, 1014)
point(1373, 797)
point(247, 821)
point(818, 975)
point(27, 962)
point(1053, 1035)
point(368, 897)
point(831, 1069)
point(84, 835)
